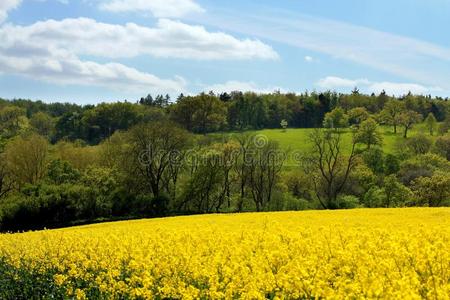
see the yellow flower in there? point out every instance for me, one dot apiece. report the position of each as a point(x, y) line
point(363, 253)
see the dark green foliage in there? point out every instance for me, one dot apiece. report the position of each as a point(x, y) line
point(60, 172)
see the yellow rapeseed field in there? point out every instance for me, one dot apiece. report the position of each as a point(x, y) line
point(363, 253)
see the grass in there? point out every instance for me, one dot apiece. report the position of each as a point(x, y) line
point(296, 140)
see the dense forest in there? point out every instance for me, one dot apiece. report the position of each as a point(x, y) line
point(63, 164)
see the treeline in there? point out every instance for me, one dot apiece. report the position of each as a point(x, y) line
point(63, 164)
point(204, 113)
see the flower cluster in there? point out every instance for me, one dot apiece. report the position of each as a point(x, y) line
point(364, 253)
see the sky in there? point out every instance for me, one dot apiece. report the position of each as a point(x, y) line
point(92, 51)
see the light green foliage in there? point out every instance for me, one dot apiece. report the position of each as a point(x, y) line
point(431, 123)
point(433, 190)
point(390, 114)
point(419, 144)
point(43, 124)
point(368, 133)
point(357, 115)
point(284, 124)
point(407, 119)
point(337, 118)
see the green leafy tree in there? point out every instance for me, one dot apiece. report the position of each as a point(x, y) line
point(11, 119)
point(284, 124)
point(26, 158)
point(43, 123)
point(396, 194)
point(337, 118)
point(419, 144)
point(368, 133)
point(431, 123)
point(391, 113)
point(407, 119)
point(442, 146)
point(357, 115)
point(60, 172)
point(433, 190)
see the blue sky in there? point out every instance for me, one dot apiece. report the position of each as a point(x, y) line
point(90, 51)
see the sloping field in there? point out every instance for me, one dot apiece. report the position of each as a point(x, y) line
point(363, 253)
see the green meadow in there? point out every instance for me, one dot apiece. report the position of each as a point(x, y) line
point(297, 139)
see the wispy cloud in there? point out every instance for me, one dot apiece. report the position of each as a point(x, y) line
point(391, 88)
point(406, 57)
point(157, 8)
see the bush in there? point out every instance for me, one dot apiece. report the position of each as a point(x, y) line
point(348, 201)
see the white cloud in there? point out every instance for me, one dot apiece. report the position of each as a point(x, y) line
point(168, 39)
point(391, 88)
point(332, 82)
point(308, 58)
point(242, 86)
point(6, 6)
point(63, 67)
point(52, 51)
point(158, 8)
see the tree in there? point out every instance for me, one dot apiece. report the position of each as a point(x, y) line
point(153, 149)
point(419, 144)
point(246, 143)
point(60, 172)
point(6, 181)
point(391, 164)
point(203, 189)
point(442, 146)
point(264, 164)
point(27, 158)
point(433, 190)
point(445, 126)
point(368, 134)
point(357, 115)
point(210, 114)
point(43, 123)
point(396, 194)
point(391, 113)
point(337, 118)
point(10, 120)
point(431, 123)
point(328, 167)
point(407, 119)
point(106, 118)
point(201, 114)
point(284, 124)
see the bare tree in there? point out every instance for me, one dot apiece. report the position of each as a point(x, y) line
point(264, 163)
point(6, 182)
point(328, 166)
point(246, 142)
point(154, 150)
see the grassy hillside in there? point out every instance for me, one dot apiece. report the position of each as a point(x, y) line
point(362, 253)
point(297, 138)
